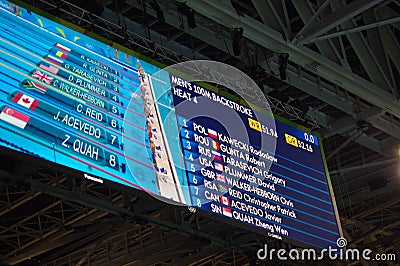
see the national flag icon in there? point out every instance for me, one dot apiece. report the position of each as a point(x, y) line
point(27, 84)
point(222, 188)
point(54, 60)
point(225, 200)
point(25, 101)
point(42, 77)
point(61, 54)
point(212, 133)
point(14, 117)
point(62, 47)
point(216, 155)
point(48, 67)
point(218, 166)
point(227, 212)
point(215, 145)
point(221, 178)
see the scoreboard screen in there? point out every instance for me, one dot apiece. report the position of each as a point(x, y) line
point(80, 103)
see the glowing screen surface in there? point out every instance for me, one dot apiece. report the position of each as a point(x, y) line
point(72, 100)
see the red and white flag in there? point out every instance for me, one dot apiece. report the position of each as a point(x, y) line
point(227, 212)
point(225, 200)
point(42, 77)
point(212, 133)
point(62, 47)
point(14, 117)
point(25, 101)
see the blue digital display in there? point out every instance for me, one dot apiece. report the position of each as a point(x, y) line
point(283, 191)
point(77, 102)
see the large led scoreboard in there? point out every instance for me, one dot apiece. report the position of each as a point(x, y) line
point(72, 100)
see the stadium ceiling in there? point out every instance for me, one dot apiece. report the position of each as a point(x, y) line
point(342, 79)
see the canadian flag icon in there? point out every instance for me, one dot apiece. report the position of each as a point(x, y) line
point(25, 101)
point(224, 200)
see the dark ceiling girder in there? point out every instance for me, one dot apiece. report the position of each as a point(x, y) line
point(270, 39)
point(336, 18)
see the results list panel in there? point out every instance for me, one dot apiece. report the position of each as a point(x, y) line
point(283, 192)
point(64, 98)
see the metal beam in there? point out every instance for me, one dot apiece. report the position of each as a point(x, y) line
point(278, 18)
point(387, 13)
point(264, 10)
point(347, 123)
point(336, 18)
point(376, 43)
point(310, 20)
point(353, 137)
point(364, 166)
point(154, 36)
point(365, 54)
point(347, 201)
point(110, 207)
point(287, 19)
point(303, 56)
point(391, 44)
point(139, 256)
point(306, 11)
point(41, 244)
point(355, 29)
point(26, 198)
point(387, 125)
point(377, 208)
point(324, 92)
